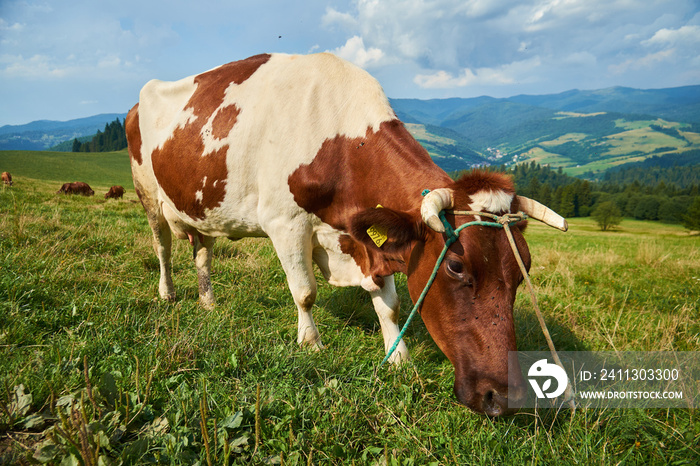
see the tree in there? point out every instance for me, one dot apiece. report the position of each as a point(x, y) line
point(647, 208)
point(112, 139)
point(533, 187)
point(583, 202)
point(544, 195)
point(607, 215)
point(567, 201)
point(672, 210)
point(691, 220)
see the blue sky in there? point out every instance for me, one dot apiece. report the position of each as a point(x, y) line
point(61, 60)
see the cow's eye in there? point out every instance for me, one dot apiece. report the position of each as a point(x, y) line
point(455, 267)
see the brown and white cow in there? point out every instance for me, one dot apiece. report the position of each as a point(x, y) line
point(76, 187)
point(303, 149)
point(6, 179)
point(115, 192)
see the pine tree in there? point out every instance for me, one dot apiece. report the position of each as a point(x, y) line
point(544, 195)
point(534, 188)
point(691, 220)
point(112, 139)
point(567, 205)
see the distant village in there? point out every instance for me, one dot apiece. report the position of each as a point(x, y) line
point(497, 155)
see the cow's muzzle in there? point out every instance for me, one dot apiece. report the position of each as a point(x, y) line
point(492, 401)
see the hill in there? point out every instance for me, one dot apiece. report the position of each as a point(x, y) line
point(43, 134)
point(580, 131)
point(449, 149)
point(99, 169)
point(676, 104)
point(584, 132)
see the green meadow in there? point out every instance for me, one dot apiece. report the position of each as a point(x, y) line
point(99, 169)
point(94, 369)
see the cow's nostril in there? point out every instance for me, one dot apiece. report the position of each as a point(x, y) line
point(493, 404)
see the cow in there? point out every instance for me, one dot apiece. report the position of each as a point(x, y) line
point(77, 187)
point(115, 192)
point(306, 150)
point(6, 179)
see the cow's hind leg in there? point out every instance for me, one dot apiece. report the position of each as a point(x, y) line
point(386, 304)
point(162, 237)
point(294, 252)
point(162, 244)
point(201, 252)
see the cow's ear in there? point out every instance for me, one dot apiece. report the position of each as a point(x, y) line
point(385, 229)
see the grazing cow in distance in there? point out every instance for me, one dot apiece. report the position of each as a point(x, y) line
point(115, 192)
point(77, 187)
point(6, 179)
point(307, 151)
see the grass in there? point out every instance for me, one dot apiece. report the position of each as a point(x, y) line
point(419, 132)
point(94, 368)
point(636, 141)
point(564, 139)
point(98, 169)
point(644, 140)
point(541, 156)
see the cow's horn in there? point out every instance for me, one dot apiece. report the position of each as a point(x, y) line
point(542, 213)
point(433, 203)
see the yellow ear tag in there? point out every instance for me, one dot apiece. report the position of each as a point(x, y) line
point(377, 233)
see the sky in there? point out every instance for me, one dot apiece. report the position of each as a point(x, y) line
point(66, 59)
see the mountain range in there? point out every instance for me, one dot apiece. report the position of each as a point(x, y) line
point(45, 134)
point(578, 130)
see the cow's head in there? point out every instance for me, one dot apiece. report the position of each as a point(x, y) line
point(469, 308)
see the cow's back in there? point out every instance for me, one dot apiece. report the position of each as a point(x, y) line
point(219, 147)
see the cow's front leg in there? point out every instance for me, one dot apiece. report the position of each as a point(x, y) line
point(201, 252)
point(386, 304)
point(294, 252)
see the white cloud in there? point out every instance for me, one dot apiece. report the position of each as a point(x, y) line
point(416, 48)
point(83, 39)
point(580, 59)
point(440, 80)
point(109, 62)
point(500, 44)
point(355, 51)
point(15, 27)
point(37, 66)
point(642, 63)
point(684, 34)
point(507, 74)
point(665, 47)
point(334, 17)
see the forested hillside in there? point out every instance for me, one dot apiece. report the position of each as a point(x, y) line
point(637, 148)
point(658, 193)
point(681, 170)
point(44, 134)
point(584, 132)
point(112, 139)
point(676, 104)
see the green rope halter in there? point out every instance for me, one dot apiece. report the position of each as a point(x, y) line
point(452, 236)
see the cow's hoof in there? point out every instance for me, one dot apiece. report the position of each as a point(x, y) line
point(207, 304)
point(318, 346)
point(314, 345)
point(399, 358)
